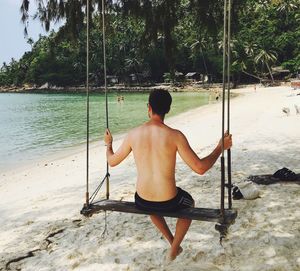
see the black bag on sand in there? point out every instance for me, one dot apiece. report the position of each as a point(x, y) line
point(281, 175)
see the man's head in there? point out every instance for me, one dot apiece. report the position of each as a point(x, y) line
point(160, 102)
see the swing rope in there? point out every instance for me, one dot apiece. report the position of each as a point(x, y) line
point(87, 100)
point(107, 175)
point(222, 207)
point(229, 186)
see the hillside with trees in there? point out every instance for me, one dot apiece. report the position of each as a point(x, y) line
point(156, 40)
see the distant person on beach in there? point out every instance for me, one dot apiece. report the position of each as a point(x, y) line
point(217, 95)
point(120, 99)
point(154, 146)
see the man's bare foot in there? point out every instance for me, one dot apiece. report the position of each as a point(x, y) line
point(171, 256)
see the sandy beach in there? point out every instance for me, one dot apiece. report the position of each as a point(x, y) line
point(42, 229)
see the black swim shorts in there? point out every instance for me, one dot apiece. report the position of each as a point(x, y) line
point(181, 201)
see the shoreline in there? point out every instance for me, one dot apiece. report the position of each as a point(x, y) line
point(40, 205)
point(181, 87)
point(117, 88)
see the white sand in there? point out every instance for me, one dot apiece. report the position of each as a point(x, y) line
point(39, 205)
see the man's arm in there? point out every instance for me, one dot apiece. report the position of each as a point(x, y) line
point(200, 165)
point(116, 158)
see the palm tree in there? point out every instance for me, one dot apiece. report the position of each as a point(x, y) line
point(160, 17)
point(266, 58)
point(250, 49)
point(30, 41)
point(242, 57)
point(134, 63)
point(4, 67)
point(199, 45)
point(287, 6)
point(52, 11)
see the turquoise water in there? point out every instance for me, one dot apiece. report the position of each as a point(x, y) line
point(33, 126)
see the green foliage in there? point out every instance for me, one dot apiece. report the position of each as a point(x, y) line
point(153, 38)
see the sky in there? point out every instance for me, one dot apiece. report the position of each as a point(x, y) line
point(12, 41)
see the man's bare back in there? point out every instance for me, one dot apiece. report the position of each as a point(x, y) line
point(154, 149)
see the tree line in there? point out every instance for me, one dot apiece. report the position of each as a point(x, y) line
point(156, 39)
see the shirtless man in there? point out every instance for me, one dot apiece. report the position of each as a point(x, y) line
point(154, 146)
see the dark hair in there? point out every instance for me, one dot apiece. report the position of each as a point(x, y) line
point(160, 101)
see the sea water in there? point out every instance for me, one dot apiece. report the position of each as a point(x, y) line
point(33, 126)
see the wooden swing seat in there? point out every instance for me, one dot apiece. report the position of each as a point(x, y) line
point(202, 214)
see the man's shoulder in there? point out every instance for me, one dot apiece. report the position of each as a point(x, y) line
point(175, 132)
point(135, 131)
point(176, 135)
point(179, 137)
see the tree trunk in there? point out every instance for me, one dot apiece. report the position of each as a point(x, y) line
point(252, 75)
point(137, 75)
point(270, 72)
